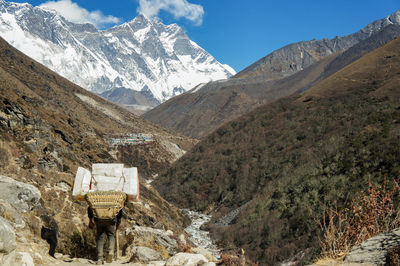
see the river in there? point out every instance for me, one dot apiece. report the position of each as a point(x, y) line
point(201, 238)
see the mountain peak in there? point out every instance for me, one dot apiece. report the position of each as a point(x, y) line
point(395, 17)
point(142, 53)
point(141, 18)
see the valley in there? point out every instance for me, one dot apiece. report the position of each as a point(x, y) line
point(288, 159)
point(234, 169)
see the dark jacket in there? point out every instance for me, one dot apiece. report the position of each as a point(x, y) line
point(116, 219)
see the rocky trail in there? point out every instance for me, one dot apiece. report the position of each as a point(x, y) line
point(22, 214)
point(206, 253)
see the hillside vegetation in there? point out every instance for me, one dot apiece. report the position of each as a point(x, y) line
point(291, 158)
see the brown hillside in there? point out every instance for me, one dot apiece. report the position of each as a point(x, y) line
point(283, 162)
point(74, 115)
point(49, 127)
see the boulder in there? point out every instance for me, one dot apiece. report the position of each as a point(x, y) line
point(144, 236)
point(10, 214)
point(8, 259)
point(145, 254)
point(187, 259)
point(206, 253)
point(24, 259)
point(7, 237)
point(374, 250)
point(23, 197)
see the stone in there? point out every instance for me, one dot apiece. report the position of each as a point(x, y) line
point(373, 251)
point(156, 263)
point(23, 197)
point(145, 254)
point(63, 186)
point(206, 253)
point(25, 259)
point(37, 258)
point(8, 259)
point(58, 256)
point(11, 214)
point(186, 259)
point(7, 237)
point(182, 239)
point(142, 235)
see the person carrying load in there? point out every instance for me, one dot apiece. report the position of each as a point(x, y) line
point(102, 215)
point(106, 189)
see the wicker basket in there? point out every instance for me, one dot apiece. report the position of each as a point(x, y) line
point(106, 204)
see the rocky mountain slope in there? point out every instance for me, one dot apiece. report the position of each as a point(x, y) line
point(208, 106)
point(298, 56)
point(152, 61)
point(50, 126)
point(267, 176)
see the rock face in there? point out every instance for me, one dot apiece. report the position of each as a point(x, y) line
point(156, 237)
point(21, 196)
point(17, 199)
point(151, 60)
point(7, 237)
point(374, 250)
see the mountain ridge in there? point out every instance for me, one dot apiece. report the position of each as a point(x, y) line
point(141, 55)
point(202, 110)
point(297, 56)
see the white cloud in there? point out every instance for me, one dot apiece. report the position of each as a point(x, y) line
point(74, 13)
point(178, 8)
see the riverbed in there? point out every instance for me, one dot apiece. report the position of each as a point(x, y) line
point(199, 237)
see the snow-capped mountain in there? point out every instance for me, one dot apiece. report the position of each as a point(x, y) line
point(153, 60)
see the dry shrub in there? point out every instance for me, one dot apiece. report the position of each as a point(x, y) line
point(335, 242)
point(185, 247)
point(236, 258)
point(228, 259)
point(369, 214)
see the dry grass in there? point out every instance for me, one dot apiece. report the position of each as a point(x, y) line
point(369, 214)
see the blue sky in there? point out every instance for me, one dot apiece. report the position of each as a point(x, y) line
point(236, 32)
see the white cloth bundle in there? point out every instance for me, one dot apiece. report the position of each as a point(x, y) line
point(106, 177)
